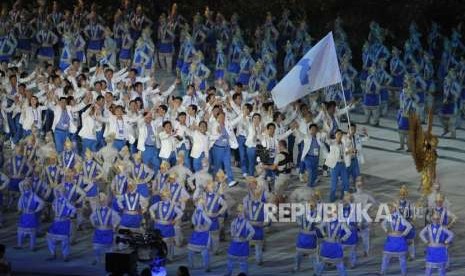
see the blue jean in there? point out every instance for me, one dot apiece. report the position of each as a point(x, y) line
point(119, 144)
point(311, 165)
point(18, 134)
point(187, 158)
point(100, 140)
point(340, 170)
point(222, 159)
point(242, 153)
point(290, 145)
point(251, 160)
point(354, 169)
point(301, 165)
point(150, 158)
point(60, 138)
point(171, 159)
point(197, 162)
point(89, 144)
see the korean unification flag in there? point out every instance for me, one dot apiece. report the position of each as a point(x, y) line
point(317, 69)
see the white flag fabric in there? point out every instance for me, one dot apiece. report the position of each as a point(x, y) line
point(317, 69)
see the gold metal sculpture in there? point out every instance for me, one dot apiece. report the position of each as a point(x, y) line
point(423, 146)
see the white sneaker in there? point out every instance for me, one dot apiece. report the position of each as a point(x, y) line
point(325, 173)
point(232, 183)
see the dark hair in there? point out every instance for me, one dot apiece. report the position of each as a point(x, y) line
point(270, 125)
point(330, 104)
point(166, 122)
point(190, 86)
point(236, 95)
point(352, 125)
point(338, 130)
point(239, 84)
point(283, 143)
point(164, 107)
point(203, 122)
point(181, 114)
point(257, 115)
point(183, 271)
point(194, 107)
point(74, 60)
point(100, 97)
point(313, 125)
point(249, 107)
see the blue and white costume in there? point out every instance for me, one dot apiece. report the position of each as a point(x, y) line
point(437, 237)
point(46, 40)
point(395, 245)
point(200, 240)
point(307, 239)
point(29, 204)
point(254, 213)
point(331, 250)
point(60, 230)
point(105, 220)
point(132, 204)
point(241, 233)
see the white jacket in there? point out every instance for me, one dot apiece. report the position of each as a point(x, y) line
point(27, 117)
point(254, 135)
point(334, 153)
point(112, 127)
point(359, 140)
point(142, 126)
point(57, 111)
point(320, 138)
point(200, 143)
point(229, 125)
point(88, 129)
point(167, 144)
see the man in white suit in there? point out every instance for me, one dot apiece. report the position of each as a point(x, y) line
point(313, 149)
point(338, 161)
point(146, 142)
point(168, 143)
point(355, 141)
point(223, 140)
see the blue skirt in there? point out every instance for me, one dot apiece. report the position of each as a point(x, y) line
point(371, 100)
point(448, 109)
point(421, 97)
point(185, 67)
point(46, 52)
point(436, 254)
point(219, 74)
point(179, 63)
point(103, 236)
point(215, 224)
point(244, 78)
point(306, 241)
point(60, 228)
point(80, 56)
point(398, 81)
point(143, 190)
point(28, 221)
point(13, 185)
point(95, 45)
point(131, 221)
point(125, 54)
point(258, 236)
point(234, 68)
point(200, 238)
point(384, 94)
point(402, 122)
point(239, 249)
point(165, 48)
point(4, 58)
point(167, 231)
point(24, 44)
point(395, 244)
point(331, 250)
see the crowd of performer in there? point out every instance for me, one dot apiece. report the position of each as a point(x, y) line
point(92, 135)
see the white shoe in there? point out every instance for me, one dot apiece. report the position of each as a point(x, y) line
point(301, 177)
point(232, 183)
point(325, 173)
point(244, 175)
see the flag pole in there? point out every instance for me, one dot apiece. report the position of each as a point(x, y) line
point(345, 102)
